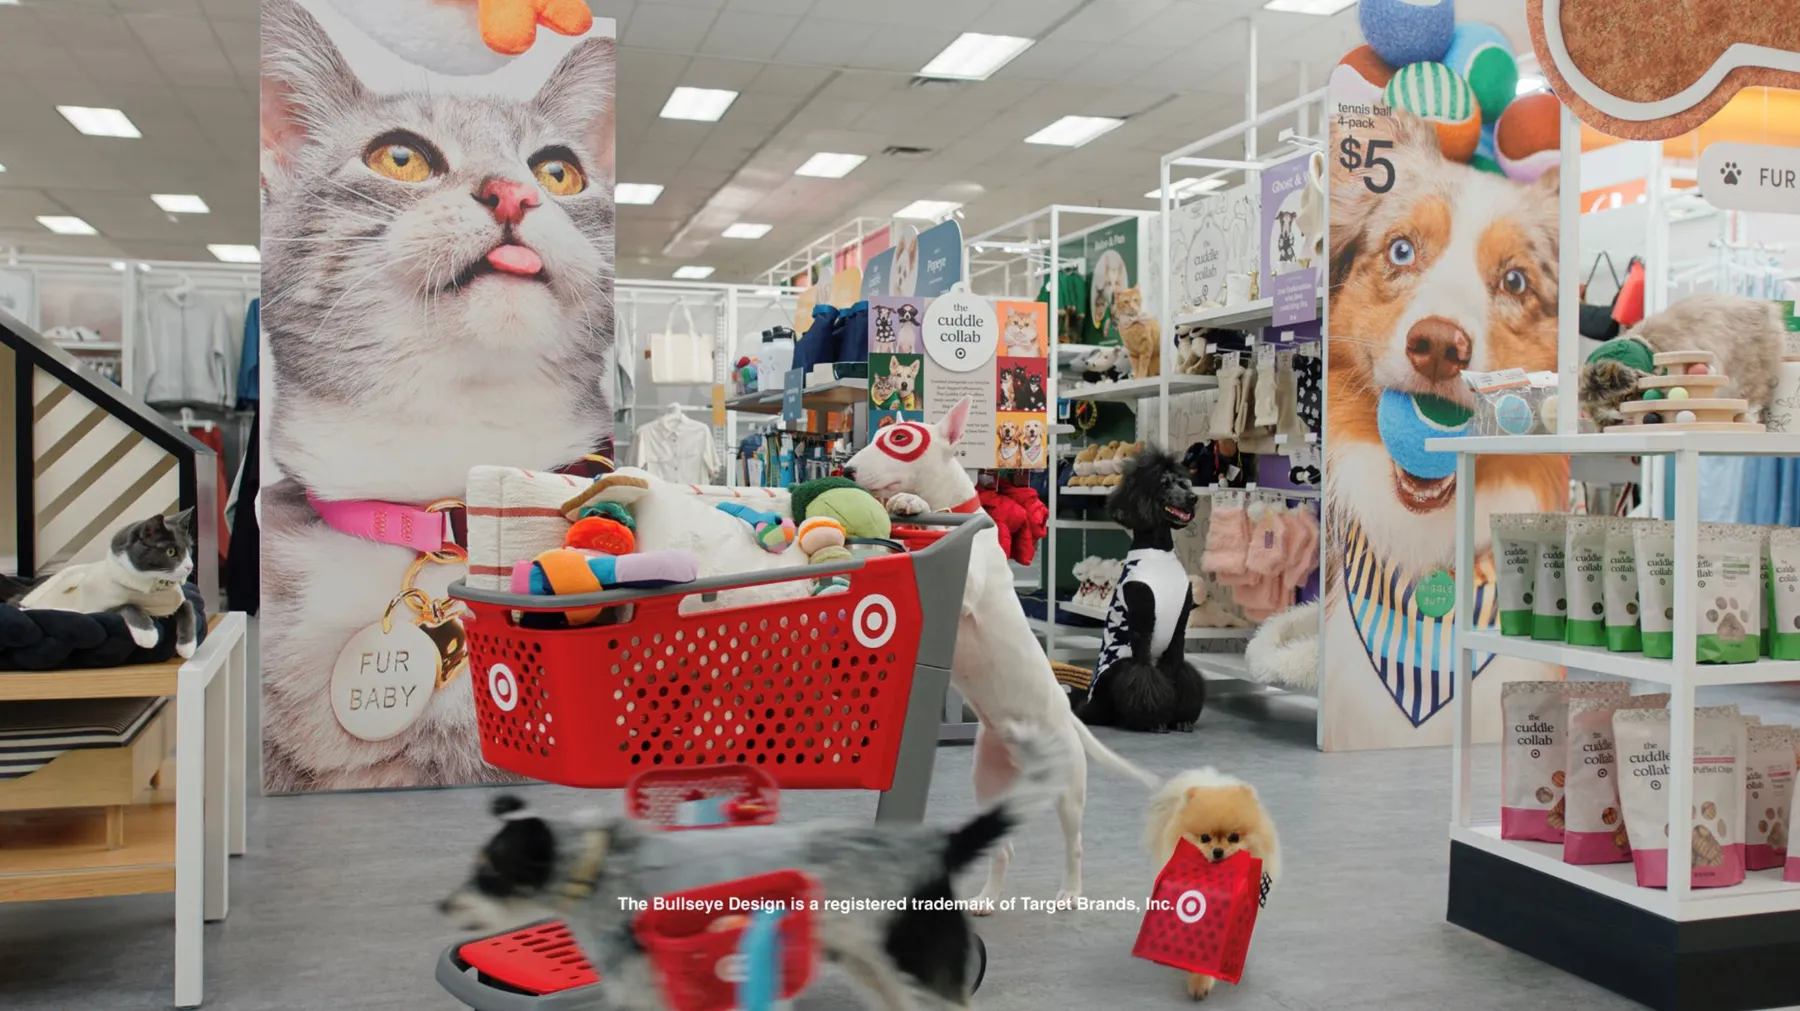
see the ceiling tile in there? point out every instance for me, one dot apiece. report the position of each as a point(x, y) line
point(667, 27)
point(747, 36)
point(824, 40)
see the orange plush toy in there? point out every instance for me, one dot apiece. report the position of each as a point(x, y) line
point(510, 26)
point(605, 527)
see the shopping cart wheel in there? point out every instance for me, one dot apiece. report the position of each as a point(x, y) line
point(977, 962)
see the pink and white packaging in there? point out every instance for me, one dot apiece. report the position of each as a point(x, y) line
point(1594, 824)
point(1768, 794)
point(1716, 817)
point(1534, 746)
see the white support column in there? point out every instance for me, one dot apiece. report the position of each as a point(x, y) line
point(1568, 279)
point(1250, 99)
point(190, 838)
point(1051, 451)
point(237, 669)
point(1681, 703)
point(1462, 732)
point(218, 805)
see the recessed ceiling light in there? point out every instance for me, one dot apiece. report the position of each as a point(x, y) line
point(118, 265)
point(63, 224)
point(703, 104)
point(636, 193)
point(826, 165)
point(975, 57)
point(927, 210)
point(180, 203)
point(99, 122)
point(1527, 85)
point(691, 273)
point(236, 254)
point(1323, 8)
point(1188, 187)
point(2, 167)
point(1074, 131)
point(747, 230)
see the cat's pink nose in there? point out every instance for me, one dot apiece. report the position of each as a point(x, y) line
point(507, 199)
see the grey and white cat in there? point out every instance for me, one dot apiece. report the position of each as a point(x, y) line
point(437, 294)
point(139, 579)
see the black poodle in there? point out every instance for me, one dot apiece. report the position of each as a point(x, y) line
point(1134, 687)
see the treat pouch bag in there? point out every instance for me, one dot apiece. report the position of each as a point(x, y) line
point(1584, 564)
point(1655, 543)
point(1550, 600)
point(1515, 568)
point(1593, 824)
point(1784, 610)
point(1202, 913)
point(1533, 749)
point(1765, 611)
point(1768, 795)
point(1621, 592)
point(1716, 818)
point(1728, 574)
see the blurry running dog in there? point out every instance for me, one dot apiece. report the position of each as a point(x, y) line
point(916, 957)
point(1220, 815)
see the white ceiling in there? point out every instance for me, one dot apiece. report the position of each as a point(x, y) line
point(815, 75)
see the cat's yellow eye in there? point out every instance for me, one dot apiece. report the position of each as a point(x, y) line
point(398, 161)
point(560, 177)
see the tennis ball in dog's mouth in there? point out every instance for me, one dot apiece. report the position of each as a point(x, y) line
point(1407, 420)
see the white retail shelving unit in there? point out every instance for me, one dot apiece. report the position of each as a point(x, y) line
point(1037, 240)
point(1762, 891)
point(1676, 947)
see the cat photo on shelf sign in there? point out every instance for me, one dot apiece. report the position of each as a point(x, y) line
point(438, 273)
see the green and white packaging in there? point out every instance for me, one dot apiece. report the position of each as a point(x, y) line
point(1728, 578)
point(1584, 561)
point(1515, 568)
point(1621, 591)
point(1655, 543)
point(1784, 611)
point(1550, 598)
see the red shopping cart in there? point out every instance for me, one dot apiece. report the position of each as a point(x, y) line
point(682, 700)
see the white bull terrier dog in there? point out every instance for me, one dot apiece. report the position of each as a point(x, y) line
point(999, 667)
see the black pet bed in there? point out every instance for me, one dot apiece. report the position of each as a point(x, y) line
point(69, 640)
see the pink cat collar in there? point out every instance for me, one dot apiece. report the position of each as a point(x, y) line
point(424, 530)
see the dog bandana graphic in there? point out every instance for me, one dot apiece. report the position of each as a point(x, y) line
point(906, 441)
point(1412, 652)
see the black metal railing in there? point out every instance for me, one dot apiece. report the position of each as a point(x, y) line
point(195, 463)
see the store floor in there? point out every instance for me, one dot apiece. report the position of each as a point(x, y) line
point(332, 908)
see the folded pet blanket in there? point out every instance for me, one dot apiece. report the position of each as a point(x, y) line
point(34, 734)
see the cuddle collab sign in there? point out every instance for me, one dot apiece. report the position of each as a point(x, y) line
point(924, 356)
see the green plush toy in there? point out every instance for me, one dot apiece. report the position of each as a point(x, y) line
point(830, 511)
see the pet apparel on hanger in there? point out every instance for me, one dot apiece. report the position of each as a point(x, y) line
point(676, 448)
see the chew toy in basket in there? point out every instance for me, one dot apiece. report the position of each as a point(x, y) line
point(1682, 397)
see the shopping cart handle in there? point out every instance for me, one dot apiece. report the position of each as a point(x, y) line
point(931, 559)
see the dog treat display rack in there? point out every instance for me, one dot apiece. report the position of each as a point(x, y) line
point(836, 692)
point(1681, 397)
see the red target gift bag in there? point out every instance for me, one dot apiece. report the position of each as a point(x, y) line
point(1201, 913)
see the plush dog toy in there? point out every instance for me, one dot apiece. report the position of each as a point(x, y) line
point(833, 510)
point(1142, 680)
point(1107, 364)
point(605, 527)
point(771, 530)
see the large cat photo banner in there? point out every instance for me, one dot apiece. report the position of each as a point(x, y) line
point(1443, 258)
point(438, 239)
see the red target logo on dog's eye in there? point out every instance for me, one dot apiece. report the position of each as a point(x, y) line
point(906, 441)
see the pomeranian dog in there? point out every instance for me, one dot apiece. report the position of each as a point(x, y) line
point(1220, 815)
point(1746, 337)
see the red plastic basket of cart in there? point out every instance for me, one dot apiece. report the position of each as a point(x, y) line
point(655, 797)
point(820, 692)
point(535, 960)
point(695, 948)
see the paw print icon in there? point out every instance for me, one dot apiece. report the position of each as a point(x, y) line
point(1730, 171)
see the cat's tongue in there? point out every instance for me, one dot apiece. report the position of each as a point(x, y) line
point(520, 260)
